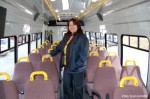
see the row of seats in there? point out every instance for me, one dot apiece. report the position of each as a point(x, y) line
point(24, 69)
point(36, 54)
point(34, 89)
point(103, 77)
point(93, 62)
point(36, 62)
point(106, 84)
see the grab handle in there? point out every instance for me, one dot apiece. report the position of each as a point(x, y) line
point(102, 48)
point(35, 50)
point(43, 58)
point(41, 46)
point(50, 50)
point(94, 52)
point(44, 43)
point(127, 61)
point(6, 75)
point(104, 61)
point(110, 53)
point(23, 57)
point(128, 78)
point(38, 73)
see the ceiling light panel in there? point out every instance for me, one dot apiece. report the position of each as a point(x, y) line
point(81, 11)
point(56, 10)
point(94, 0)
point(65, 4)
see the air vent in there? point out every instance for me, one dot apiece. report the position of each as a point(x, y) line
point(68, 14)
point(100, 17)
point(61, 23)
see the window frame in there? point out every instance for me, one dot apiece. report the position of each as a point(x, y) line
point(10, 48)
point(138, 44)
point(113, 34)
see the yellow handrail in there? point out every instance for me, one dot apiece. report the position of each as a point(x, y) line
point(6, 75)
point(35, 50)
point(110, 53)
point(40, 46)
point(128, 78)
point(94, 52)
point(127, 61)
point(53, 46)
point(92, 7)
point(38, 73)
point(49, 50)
point(104, 61)
point(23, 57)
point(57, 41)
point(43, 58)
point(44, 43)
point(51, 8)
point(102, 48)
point(47, 41)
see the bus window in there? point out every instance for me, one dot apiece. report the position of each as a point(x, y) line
point(92, 37)
point(111, 42)
point(99, 39)
point(22, 44)
point(126, 40)
point(7, 55)
point(39, 36)
point(133, 41)
point(135, 48)
point(144, 43)
point(33, 41)
point(12, 42)
point(4, 44)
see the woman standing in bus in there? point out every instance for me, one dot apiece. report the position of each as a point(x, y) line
point(74, 53)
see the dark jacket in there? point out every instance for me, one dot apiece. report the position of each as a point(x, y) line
point(78, 53)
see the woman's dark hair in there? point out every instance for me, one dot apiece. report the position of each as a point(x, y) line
point(75, 22)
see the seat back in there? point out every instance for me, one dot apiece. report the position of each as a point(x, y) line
point(56, 59)
point(35, 59)
point(22, 73)
point(102, 52)
point(41, 50)
point(92, 64)
point(105, 79)
point(39, 88)
point(93, 46)
point(132, 70)
point(115, 60)
point(8, 89)
point(129, 91)
point(46, 45)
point(49, 67)
point(93, 53)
